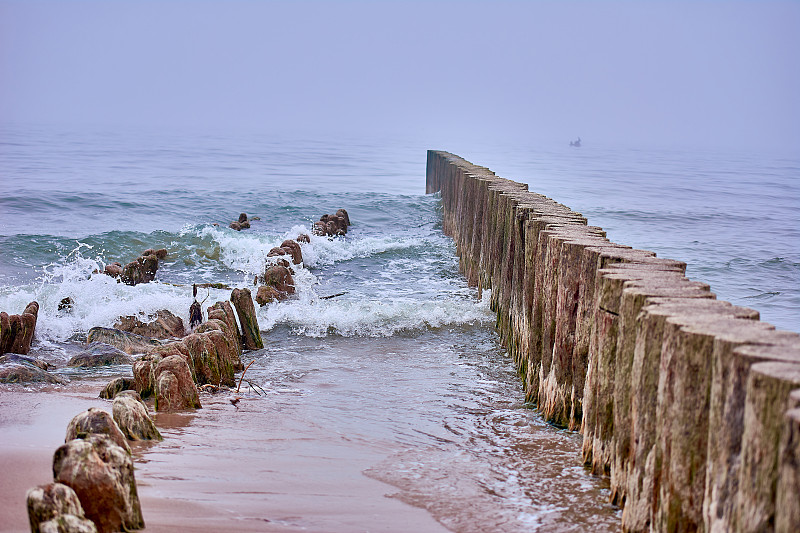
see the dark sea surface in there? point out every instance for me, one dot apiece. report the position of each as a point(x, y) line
point(403, 372)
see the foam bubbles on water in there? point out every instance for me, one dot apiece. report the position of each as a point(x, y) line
point(97, 299)
point(243, 251)
point(354, 316)
point(247, 251)
point(326, 251)
point(383, 305)
point(391, 283)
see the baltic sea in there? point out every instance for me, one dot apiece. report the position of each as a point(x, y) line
point(397, 387)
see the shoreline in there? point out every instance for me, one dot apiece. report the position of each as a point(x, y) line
point(353, 434)
point(178, 493)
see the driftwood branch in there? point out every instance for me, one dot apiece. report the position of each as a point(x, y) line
point(255, 387)
point(243, 373)
point(332, 296)
point(221, 286)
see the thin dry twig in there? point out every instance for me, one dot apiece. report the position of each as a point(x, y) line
point(243, 373)
point(332, 296)
point(256, 388)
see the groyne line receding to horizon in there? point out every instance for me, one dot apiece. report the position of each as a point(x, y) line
point(691, 405)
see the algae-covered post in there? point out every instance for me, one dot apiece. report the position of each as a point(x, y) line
point(769, 385)
point(243, 302)
point(646, 362)
point(787, 512)
point(101, 474)
point(16, 331)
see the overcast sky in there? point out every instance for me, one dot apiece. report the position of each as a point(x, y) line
point(674, 73)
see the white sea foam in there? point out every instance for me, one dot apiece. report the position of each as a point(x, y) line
point(98, 300)
point(247, 252)
point(381, 306)
point(324, 251)
point(354, 316)
point(398, 294)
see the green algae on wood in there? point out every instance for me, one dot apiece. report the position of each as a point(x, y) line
point(251, 335)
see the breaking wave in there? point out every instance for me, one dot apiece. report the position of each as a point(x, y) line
point(385, 284)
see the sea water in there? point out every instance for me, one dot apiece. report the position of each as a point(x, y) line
point(400, 376)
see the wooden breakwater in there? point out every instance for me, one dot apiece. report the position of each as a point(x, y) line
point(691, 405)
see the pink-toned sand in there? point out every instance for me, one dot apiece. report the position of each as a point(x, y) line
point(211, 473)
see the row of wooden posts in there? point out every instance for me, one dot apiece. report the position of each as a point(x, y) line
point(689, 404)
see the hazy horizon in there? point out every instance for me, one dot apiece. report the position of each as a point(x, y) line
point(705, 74)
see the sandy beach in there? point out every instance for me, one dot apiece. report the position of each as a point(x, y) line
point(33, 422)
point(205, 475)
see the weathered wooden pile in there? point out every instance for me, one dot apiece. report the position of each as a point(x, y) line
point(94, 487)
point(332, 225)
point(16, 331)
point(16, 335)
point(690, 404)
point(141, 270)
point(243, 222)
point(276, 282)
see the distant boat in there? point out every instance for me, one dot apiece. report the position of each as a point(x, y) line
point(576, 144)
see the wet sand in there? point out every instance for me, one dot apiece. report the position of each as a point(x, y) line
point(33, 424)
point(423, 433)
point(207, 474)
point(214, 472)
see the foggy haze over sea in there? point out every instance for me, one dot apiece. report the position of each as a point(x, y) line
point(653, 74)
